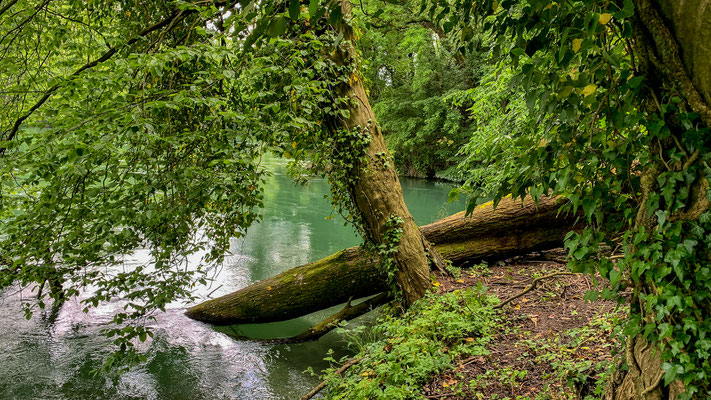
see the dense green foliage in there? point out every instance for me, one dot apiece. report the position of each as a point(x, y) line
point(129, 125)
point(501, 128)
point(626, 151)
point(118, 137)
point(406, 351)
point(411, 68)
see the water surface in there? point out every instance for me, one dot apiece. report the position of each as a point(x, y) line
point(52, 358)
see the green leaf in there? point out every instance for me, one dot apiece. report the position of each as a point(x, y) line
point(588, 207)
point(313, 8)
point(336, 15)
point(615, 277)
point(635, 82)
point(294, 9)
point(277, 26)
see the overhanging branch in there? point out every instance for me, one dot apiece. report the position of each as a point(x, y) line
point(167, 22)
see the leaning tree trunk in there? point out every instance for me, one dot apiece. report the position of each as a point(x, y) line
point(513, 228)
point(375, 189)
point(672, 40)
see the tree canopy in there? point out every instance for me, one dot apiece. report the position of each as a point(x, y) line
point(130, 125)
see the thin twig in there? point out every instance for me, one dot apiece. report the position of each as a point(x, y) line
point(339, 371)
point(167, 22)
point(531, 287)
point(7, 6)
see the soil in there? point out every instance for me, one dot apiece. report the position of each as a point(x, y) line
point(553, 343)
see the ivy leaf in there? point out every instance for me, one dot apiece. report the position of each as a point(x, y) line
point(615, 277)
point(588, 207)
point(661, 217)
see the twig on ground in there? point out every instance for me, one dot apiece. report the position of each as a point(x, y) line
point(531, 287)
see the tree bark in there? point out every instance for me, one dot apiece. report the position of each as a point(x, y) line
point(513, 228)
point(347, 313)
point(672, 42)
point(376, 191)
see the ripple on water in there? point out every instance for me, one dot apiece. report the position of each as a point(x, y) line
point(52, 357)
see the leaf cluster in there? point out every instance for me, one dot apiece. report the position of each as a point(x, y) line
point(409, 351)
point(623, 147)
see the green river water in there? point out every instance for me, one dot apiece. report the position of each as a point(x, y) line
point(53, 359)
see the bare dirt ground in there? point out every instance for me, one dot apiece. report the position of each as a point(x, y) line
point(553, 344)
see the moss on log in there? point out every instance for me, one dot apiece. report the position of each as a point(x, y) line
point(514, 227)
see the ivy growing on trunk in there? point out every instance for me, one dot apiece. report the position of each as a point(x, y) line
point(624, 110)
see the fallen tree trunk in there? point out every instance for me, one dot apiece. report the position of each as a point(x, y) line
point(348, 313)
point(513, 228)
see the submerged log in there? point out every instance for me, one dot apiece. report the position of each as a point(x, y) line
point(348, 313)
point(513, 228)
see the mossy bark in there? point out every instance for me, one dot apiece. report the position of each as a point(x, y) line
point(375, 189)
point(514, 227)
point(671, 42)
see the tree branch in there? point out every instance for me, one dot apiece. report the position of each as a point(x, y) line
point(531, 287)
point(350, 363)
point(106, 56)
point(668, 60)
point(7, 6)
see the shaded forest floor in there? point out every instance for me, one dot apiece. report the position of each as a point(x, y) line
point(552, 345)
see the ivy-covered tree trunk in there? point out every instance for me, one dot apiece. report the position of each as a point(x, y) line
point(671, 42)
point(375, 188)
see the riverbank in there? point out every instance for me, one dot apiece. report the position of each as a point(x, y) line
point(548, 343)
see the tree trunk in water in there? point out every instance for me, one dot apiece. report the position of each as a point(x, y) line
point(347, 313)
point(672, 42)
point(513, 228)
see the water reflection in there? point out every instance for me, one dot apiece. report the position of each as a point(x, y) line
point(41, 359)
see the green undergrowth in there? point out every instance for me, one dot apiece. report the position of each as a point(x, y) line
point(575, 365)
point(574, 358)
point(402, 352)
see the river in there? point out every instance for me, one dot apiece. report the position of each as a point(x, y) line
point(45, 358)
